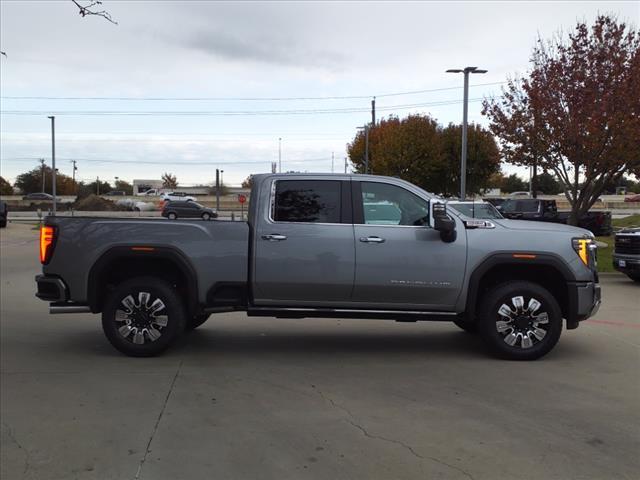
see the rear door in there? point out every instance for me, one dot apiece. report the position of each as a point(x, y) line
point(401, 262)
point(304, 245)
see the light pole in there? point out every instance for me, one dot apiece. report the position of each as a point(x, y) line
point(279, 155)
point(53, 162)
point(221, 178)
point(463, 160)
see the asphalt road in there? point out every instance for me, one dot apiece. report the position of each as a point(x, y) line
point(245, 398)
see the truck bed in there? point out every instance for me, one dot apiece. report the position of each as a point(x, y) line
point(216, 250)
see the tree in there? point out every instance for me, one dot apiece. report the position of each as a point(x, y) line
point(31, 182)
point(86, 189)
point(248, 182)
point(513, 183)
point(5, 187)
point(577, 114)
point(169, 181)
point(548, 183)
point(88, 8)
point(419, 150)
point(126, 187)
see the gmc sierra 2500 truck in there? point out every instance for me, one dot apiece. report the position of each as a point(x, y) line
point(350, 246)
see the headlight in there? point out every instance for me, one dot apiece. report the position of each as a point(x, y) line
point(586, 249)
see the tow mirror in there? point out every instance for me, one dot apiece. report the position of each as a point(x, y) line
point(443, 223)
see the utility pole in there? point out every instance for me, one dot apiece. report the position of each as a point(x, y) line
point(465, 108)
point(217, 189)
point(53, 162)
point(42, 163)
point(74, 175)
point(331, 162)
point(345, 164)
point(373, 112)
point(97, 185)
point(366, 149)
point(279, 155)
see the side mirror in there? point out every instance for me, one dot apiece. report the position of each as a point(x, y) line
point(443, 223)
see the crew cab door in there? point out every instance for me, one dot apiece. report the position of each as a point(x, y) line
point(401, 262)
point(304, 245)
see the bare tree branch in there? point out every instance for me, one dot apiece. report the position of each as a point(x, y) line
point(89, 8)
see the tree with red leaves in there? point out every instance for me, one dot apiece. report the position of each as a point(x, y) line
point(577, 114)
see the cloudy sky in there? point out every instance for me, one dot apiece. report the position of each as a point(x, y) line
point(188, 87)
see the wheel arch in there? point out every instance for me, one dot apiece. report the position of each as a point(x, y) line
point(547, 270)
point(124, 262)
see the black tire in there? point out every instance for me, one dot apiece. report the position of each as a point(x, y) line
point(139, 321)
point(3, 223)
point(172, 216)
point(206, 216)
point(196, 321)
point(469, 327)
point(532, 332)
point(634, 276)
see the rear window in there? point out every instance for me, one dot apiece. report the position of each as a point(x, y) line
point(311, 201)
point(529, 206)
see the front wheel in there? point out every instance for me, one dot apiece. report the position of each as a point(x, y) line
point(143, 316)
point(520, 321)
point(634, 276)
point(206, 216)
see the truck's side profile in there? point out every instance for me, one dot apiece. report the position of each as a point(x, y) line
point(354, 246)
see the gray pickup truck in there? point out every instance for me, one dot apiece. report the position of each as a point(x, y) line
point(349, 246)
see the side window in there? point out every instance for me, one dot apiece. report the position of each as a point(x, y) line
point(385, 204)
point(316, 201)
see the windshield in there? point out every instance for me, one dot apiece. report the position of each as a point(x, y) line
point(476, 210)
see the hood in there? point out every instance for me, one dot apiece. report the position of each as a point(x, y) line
point(533, 226)
point(629, 231)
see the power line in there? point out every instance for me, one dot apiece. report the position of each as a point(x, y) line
point(205, 113)
point(252, 99)
point(154, 162)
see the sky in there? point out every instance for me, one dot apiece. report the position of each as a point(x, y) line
point(188, 87)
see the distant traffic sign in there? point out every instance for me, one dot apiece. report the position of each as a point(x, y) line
point(242, 198)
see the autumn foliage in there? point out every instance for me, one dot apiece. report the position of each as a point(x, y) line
point(423, 152)
point(577, 113)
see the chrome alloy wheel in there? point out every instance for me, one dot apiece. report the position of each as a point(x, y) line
point(141, 322)
point(522, 326)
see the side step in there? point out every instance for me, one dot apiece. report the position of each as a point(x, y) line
point(398, 315)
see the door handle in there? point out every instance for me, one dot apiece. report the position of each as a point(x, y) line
point(372, 239)
point(274, 237)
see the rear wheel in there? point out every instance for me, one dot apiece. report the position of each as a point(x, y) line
point(143, 316)
point(172, 216)
point(520, 321)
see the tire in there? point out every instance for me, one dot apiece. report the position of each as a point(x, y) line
point(206, 216)
point(196, 321)
point(515, 328)
point(148, 337)
point(469, 327)
point(172, 216)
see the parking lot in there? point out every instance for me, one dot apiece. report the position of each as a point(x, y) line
point(268, 398)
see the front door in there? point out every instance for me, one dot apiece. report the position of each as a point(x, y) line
point(401, 262)
point(304, 246)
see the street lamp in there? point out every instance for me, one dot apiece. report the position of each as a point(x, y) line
point(279, 155)
point(366, 147)
point(463, 161)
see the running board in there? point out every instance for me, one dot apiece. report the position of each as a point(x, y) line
point(68, 308)
point(398, 315)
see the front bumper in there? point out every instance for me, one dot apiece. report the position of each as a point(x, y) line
point(584, 300)
point(626, 263)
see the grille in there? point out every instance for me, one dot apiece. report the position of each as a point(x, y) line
point(629, 244)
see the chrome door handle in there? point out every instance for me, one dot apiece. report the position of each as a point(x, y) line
point(372, 239)
point(274, 237)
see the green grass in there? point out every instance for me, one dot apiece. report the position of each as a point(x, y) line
point(630, 221)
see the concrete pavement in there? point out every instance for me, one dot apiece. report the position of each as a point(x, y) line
point(244, 398)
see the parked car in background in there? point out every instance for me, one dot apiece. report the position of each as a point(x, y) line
point(471, 209)
point(38, 196)
point(626, 254)
point(598, 222)
point(495, 201)
point(177, 196)
point(187, 209)
point(135, 205)
point(151, 193)
point(632, 198)
point(519, 194)
point(115, 193)
point(3, 214)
